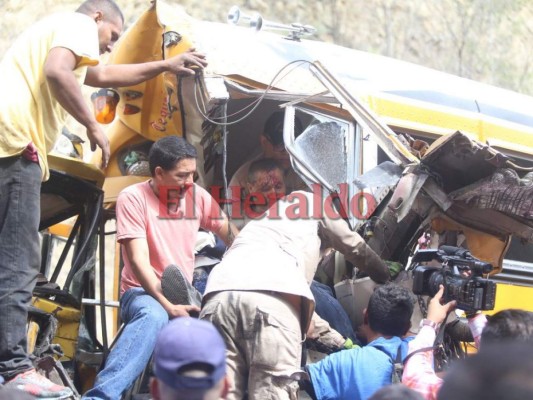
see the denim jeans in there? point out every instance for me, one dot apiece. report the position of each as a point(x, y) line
point(199, 280)
point(143, 317)
point(20, 258)
point(328, 308)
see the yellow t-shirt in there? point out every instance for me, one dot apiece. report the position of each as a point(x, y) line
point(28, 110)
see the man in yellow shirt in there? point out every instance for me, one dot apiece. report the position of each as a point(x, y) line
point(41, 77)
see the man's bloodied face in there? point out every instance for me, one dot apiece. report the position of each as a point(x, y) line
point(269, 185)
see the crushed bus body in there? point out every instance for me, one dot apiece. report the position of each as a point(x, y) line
point(441, 157)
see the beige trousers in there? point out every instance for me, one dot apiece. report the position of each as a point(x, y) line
point(263, 336)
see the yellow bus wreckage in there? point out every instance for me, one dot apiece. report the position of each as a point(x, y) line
point(444, 158)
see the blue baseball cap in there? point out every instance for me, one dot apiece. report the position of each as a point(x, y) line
point(189, 343)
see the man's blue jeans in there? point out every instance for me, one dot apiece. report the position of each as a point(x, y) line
point(20, 257)
point(143, 317)
point(328, 308)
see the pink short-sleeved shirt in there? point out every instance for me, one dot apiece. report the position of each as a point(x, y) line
point(171, 237)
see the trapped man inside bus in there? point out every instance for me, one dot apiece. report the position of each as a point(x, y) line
point(272, 146)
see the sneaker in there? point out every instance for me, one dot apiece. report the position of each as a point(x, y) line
point(177, 289)
point(37, 385)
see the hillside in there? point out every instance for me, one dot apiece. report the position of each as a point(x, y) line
point(485, 40)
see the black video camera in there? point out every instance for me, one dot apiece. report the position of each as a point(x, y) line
point(460, 273)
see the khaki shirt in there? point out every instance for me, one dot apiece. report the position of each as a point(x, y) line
point(280, 253)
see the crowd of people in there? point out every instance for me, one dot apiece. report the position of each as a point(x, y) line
point(243, 333)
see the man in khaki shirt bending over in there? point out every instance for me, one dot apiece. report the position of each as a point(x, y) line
point(259, 297)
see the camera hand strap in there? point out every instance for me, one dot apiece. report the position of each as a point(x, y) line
point(440, 358)
point(439, 340)
point(437, 344)
point(422, 350)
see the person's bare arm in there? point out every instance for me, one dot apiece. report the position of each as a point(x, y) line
point(418, 373)
point(137, 251)
point(119, 75)
point(228, 232)
point(58, 70)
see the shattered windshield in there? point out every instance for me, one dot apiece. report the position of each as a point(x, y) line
point(321, 146)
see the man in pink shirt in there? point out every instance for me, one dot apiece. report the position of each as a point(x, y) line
point(157, 224)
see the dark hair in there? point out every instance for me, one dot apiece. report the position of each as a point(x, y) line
point(109, 8)
point(389, 310)
point(168, 151)
point(262, 165)
point(273, 129)
point(512, 324)
point(500, 371)
point(396, 391)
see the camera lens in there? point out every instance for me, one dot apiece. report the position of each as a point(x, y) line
point(435, 280)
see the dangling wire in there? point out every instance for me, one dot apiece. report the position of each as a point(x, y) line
point(269, 87)
point(225, 158)
point(223, 119)
point(295, 64)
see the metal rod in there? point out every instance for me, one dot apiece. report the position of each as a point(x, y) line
point(101, 236)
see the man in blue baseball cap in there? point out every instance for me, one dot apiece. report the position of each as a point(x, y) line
point(189, 362)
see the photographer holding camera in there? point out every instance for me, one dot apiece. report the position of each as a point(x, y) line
point(504, 326)
point(464, 278)
point(418, 373)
